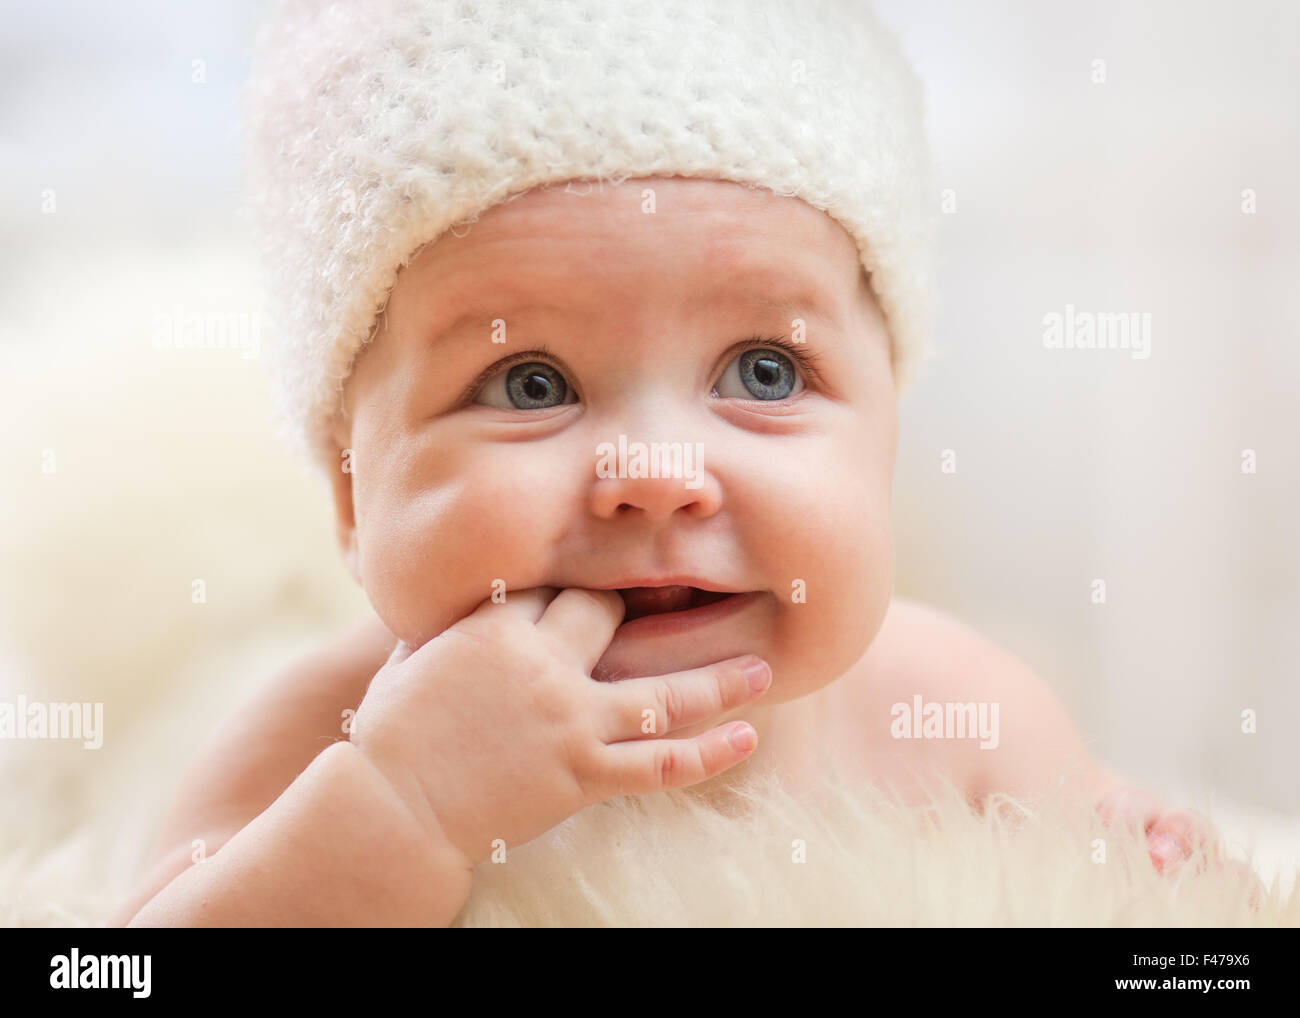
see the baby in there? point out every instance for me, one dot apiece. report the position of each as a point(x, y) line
point(613, 467)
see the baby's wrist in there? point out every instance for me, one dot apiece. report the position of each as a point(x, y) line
point(404, 791)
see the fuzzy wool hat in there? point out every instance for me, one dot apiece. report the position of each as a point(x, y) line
point(373, 126)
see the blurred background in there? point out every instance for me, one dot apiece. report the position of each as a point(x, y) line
point(1111, 156)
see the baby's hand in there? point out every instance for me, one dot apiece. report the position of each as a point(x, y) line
point(495, 729)
point(1173, 835)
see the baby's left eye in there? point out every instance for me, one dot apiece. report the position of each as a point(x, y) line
point(531, 385)
point(762, 373)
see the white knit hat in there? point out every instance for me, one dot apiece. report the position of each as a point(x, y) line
point(372, 126)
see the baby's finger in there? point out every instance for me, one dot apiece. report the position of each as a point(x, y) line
point(530, 602)
point(527, 602)
point(656, 705)
point(654, 765)
point(1177, 835)
point(584, 620)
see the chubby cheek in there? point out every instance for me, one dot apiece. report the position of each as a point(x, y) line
point(838, 542)
point(434, 536)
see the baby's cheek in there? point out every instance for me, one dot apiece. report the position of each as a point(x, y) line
point(837, 529)
point(816, 641)
point(834, 573)
point(430, 559)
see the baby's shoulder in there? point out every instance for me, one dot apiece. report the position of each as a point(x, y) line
point(931, 685)
point(920, 649)
point(258, 750)
point(280, 727)
point(331, 677)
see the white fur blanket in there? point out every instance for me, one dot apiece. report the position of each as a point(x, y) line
point(165, 473)
point(847, 857)
point(842, 856)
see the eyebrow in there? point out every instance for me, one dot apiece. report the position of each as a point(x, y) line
point(795, 298)
point(484, 315)
point(772, 288)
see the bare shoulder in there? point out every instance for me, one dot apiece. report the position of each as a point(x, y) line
point(1006, 729)
point(258, 750)
point(920, 649)
point(270, 738)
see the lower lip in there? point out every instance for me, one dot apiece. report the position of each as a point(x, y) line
point(679, 622)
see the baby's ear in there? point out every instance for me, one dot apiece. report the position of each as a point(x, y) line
point(345, 520)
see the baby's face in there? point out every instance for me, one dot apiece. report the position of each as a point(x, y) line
point(476, 458)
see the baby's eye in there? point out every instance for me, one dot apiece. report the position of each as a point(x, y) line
point(764, 373)
point(532, 385)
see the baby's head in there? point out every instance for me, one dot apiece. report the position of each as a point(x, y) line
point(731, 326)
point(601, 295)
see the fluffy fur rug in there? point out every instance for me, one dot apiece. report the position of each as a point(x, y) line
point(842, 856)
point(165, 473)
point(850, 856)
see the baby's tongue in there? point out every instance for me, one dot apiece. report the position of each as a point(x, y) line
point(653, 600)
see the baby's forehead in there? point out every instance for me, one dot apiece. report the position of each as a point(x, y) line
point(726, 209)
point(713, 237)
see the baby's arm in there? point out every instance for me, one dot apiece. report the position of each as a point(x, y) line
point(260, 750)
point(338, 848)
point(491, 733)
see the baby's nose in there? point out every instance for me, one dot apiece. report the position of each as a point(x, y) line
point(652, 480)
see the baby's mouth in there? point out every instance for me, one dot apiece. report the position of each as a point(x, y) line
point(658, 600)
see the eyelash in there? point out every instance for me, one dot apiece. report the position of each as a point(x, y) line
point(485, 376)
point(806, 359)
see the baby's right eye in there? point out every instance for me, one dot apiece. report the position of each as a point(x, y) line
point(530, 385)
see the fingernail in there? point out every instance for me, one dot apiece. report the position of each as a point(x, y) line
point(757, 675)
point(742, 738)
